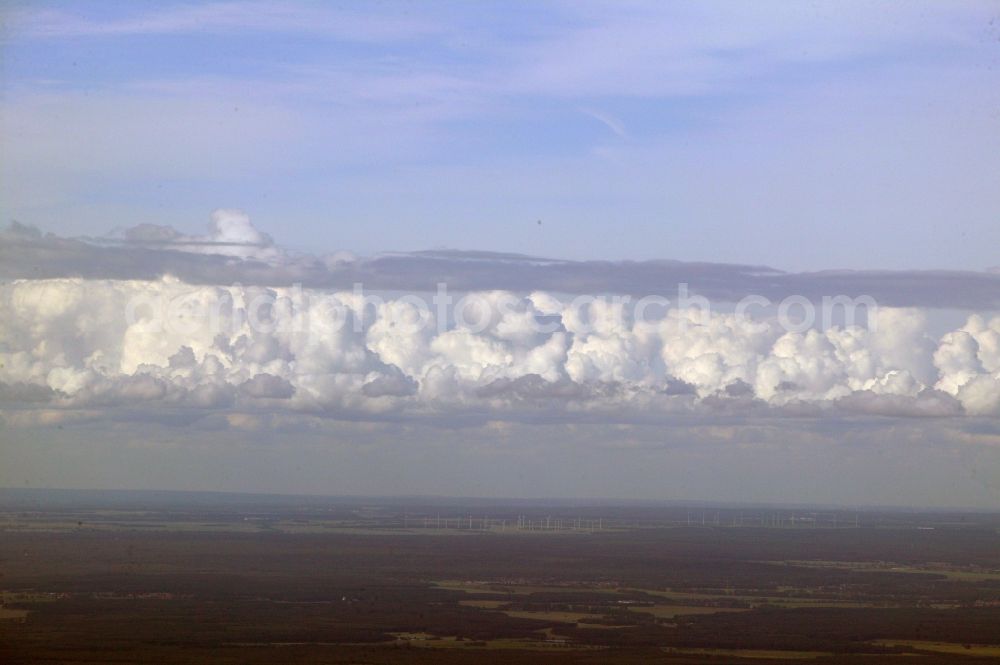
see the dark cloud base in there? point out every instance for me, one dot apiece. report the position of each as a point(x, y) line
point(25, 253)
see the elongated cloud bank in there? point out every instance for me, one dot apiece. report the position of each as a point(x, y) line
point(68, 343)
point(175, 344)
point(235, 252)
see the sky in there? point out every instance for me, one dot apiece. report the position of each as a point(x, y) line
point(227, 223)
point(799, 135)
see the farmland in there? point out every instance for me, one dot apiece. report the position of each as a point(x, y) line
point(218, 578)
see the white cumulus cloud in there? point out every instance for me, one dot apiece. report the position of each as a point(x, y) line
point(75, 343)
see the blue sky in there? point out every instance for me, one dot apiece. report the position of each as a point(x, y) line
point(806, 136)
point(800, 135)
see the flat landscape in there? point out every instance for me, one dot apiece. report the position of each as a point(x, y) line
point(219, 578)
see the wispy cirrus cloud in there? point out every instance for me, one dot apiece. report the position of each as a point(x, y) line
point(225, 18)
point(448, 131)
